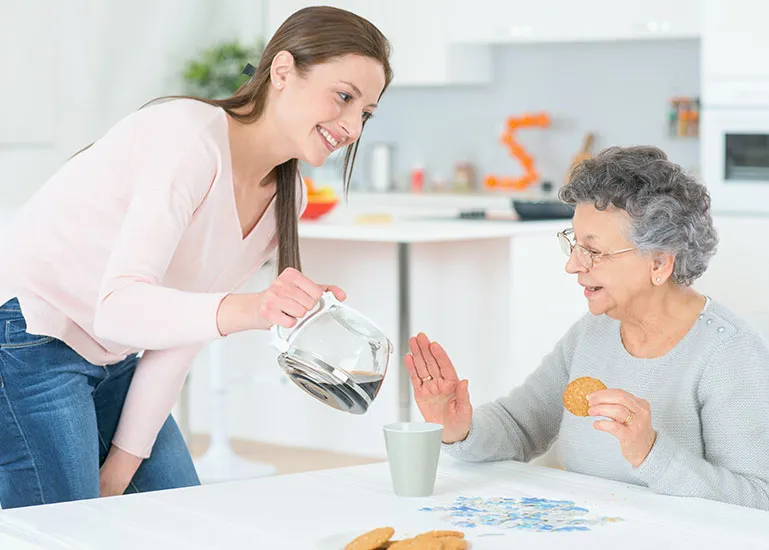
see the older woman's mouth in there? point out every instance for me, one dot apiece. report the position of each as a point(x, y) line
point(591, 291)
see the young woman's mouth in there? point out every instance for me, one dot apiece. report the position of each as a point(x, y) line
point(328, 138)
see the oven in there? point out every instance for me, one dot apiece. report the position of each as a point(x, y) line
point(735, 157)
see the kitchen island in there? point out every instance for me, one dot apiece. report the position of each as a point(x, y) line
point(494, 294)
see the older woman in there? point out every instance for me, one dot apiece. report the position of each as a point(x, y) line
point(687, 409)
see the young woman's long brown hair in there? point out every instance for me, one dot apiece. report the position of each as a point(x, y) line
point(311, 35)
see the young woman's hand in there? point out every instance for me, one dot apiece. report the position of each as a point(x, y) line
point(288, 298)
point(441, 397)
point(117, 472)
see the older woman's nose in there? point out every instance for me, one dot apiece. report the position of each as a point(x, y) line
point(573, 265)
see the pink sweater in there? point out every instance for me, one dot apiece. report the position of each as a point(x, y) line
point(131, 246)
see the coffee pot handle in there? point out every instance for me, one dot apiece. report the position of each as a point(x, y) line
point(281, 334)
point(278, 340)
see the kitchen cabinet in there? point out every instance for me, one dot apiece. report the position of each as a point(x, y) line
point(442, 42)
point(423, 51)
point(663, 19)
point(735, 46)
point(518, 21)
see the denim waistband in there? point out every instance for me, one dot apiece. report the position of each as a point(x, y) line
point(11, 305)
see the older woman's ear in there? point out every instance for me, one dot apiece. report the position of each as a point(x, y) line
point(663, 268)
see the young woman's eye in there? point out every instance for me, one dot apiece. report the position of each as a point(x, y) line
point(367, 116)
point(345, 97)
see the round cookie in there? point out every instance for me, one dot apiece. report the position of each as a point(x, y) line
point(433, 540)
point(371, 540)
point(441, 534)
point(416, 543)
point(574, 398)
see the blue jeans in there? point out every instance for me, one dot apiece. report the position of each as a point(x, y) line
point(58, 414)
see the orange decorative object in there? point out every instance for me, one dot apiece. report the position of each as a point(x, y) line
point(315, 210)
point(320, 200)
point(507, 139)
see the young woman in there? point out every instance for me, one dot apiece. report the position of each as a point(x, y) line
point(138, 244)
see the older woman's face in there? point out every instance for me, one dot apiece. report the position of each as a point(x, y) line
point(614, 283)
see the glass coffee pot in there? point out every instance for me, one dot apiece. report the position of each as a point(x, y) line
point(336, 355)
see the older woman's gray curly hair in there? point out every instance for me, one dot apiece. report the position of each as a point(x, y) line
point(669, 210)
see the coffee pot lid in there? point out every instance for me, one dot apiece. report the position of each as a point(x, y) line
point(330, 385)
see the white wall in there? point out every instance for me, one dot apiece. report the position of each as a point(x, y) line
point(737, 274)
point(69, 69)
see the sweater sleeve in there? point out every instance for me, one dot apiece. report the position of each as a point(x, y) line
point(523, 424)
point(154, 389)
point(134, 309)
point(735, 428)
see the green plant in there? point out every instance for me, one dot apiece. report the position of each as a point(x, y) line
point(217, 72)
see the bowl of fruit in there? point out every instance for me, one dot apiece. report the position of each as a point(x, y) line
point(320, 200)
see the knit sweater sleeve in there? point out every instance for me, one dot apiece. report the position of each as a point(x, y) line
point(733, 394)
point(523, 424)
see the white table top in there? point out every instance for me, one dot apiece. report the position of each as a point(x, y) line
point(425, 231)
point(326, 509)
point(408, 230)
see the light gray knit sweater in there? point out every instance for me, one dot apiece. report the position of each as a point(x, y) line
point(709, 401)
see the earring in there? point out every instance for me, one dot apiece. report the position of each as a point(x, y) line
point(278, 84)
point(659, 280)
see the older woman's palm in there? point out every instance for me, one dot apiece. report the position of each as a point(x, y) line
point(440, 395)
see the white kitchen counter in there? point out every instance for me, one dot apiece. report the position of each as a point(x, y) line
point(405, 232)
point(324, 510)
point(425, 231)
point(493, 293)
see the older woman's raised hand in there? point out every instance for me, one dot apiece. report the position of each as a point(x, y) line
point(440, 395)
point(631, 425)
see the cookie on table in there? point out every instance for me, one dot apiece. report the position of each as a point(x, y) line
point(427, 543)
point(575, 395)
point(372, 540)
point(449, 540)
point(440, 534)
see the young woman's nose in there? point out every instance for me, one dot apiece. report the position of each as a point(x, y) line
point(352, 126)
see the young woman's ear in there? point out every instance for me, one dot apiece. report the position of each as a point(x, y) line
point(282, 66)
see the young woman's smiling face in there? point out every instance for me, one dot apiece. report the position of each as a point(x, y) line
point(326, 108)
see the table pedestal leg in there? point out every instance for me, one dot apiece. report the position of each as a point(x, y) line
point(404, 332)
point(220, 462)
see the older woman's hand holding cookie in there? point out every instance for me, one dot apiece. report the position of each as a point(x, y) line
point(440, 395)
point(631, 422)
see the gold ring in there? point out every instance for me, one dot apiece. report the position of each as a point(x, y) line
point(426, 378)
point(629, 418)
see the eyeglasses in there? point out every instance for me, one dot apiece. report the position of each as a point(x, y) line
point(585, 257)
